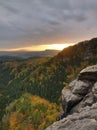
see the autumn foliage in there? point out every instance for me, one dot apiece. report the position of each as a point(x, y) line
point(30, 113)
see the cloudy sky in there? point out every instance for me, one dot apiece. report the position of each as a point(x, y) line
point(26, 23)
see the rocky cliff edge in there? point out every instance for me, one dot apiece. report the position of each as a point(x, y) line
point(79, 102)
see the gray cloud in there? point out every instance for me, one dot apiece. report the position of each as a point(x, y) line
point(46, 21)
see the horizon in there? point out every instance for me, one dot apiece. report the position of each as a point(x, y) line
point(42, 24)
point(39, 48)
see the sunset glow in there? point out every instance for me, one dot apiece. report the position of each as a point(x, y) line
point(46, 24)
point(58, 46)
point(40, 47)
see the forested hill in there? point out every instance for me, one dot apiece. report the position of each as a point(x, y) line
point(44, 77)
point(83, 51)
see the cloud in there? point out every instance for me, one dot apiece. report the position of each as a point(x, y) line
point(46, 21)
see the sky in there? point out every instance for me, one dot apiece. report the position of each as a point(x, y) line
point(40, 24)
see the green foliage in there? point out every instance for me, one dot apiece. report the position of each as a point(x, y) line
point(31, 111)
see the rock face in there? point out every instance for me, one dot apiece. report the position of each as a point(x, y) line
point(79, 103)
point(86, 119)
point(89, 73)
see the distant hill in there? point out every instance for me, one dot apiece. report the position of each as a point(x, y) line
point(83, 51)
point(5, 55)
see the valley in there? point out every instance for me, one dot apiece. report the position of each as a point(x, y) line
point(44, 78)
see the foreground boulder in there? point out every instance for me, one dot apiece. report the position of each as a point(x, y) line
point(86, 119)
point(79, 102)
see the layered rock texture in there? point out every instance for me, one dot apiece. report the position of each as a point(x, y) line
point(79, 102)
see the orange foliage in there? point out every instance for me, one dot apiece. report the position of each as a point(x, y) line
point(15, 120)
point(29, 127)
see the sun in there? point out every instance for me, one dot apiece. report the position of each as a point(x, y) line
point(59, 46)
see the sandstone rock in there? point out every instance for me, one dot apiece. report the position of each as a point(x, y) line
point(94, 90)
point(72, 84)
point(69, 99)
point(90, 69)
point(74, 95)
point(80, 87)
point(88, 100)
point(89, 73)
point(86, 119)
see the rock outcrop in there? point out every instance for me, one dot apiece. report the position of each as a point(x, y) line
point(79, 102)
point(89, 73)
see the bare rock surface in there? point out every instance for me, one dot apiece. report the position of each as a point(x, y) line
point(89, 73)
point(80, 87)
point(90, 69)
point(85, 119)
